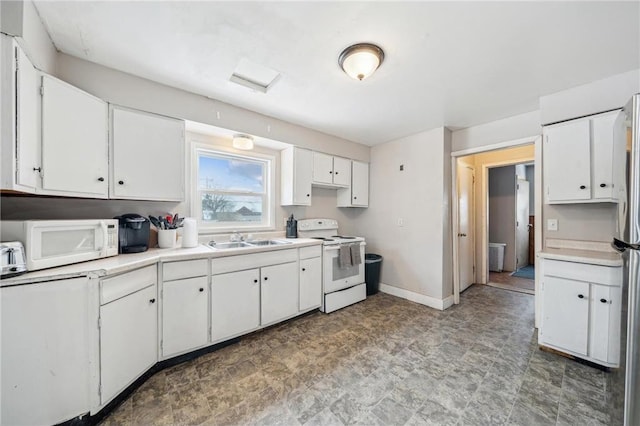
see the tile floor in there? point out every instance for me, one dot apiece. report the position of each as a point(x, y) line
point(385, 361)
point(508, 282)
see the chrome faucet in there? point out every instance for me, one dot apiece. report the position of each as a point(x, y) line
point(236, 237)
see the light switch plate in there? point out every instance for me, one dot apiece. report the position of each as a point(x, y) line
point(552, 224)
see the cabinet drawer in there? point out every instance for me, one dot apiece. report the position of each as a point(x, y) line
point(309, 252)
point(249, 261)
point(130, 282)
point(184, 269)
point(606, 275)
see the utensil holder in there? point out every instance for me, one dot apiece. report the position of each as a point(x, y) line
point(166, 238)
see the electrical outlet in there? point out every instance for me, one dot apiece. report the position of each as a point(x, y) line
point(400, 222)
point(552, 224)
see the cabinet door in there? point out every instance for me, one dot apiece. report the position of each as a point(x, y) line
point(27, 118)
point(565, 316)
point(322, 168)
point(360, 184)
point(310, 283)
point(341, 171)
point(567, 161)
point(235, 304)
point(45, 360)
point(604, 335)
point(147, 156)
point(303, 162)
point(74, 141)
point(185, 320)
point(279, 291)
point(602, 146)
point(128, 340)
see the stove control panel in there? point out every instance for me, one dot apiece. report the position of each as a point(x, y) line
point(317, 224)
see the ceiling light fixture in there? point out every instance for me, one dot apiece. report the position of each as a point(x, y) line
point(244, 142)
point(361, 60)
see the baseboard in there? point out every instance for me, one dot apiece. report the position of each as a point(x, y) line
point(432, 302)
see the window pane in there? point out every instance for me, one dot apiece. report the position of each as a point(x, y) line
point(230, 174)
point(231, 208)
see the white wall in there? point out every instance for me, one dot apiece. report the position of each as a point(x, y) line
point(502, 212)
point(135, 92)
point(416, 255)
point(598, 96)
point(508, 129)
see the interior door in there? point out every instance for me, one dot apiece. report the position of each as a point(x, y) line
point(522, 223)
point(465, 226)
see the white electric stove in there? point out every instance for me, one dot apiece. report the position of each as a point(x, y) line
point(343, 282)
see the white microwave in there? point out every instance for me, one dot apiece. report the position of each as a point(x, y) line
point(49, 243)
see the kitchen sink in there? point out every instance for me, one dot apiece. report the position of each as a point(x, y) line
point(262, 243)
point(229, 245)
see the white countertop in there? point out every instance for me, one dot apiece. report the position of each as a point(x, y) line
point(590, 252)
point(126, 262)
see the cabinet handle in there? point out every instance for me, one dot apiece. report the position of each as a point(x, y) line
point(583, 187)
point(580, 296)
point(603, 185)
point(37, 169)
point(308, 195)
point(255, 281)
point(120, 182)
point(304, 269)
point(336, 172)
point(100, 179)
point(355, 198)
point(152, 301)
point(604, 300)
point(201, 290)
point(266, 278)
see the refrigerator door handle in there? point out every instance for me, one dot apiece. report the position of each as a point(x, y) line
point(622, 246)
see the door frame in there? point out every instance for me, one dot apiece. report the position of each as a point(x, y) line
point(536, 140)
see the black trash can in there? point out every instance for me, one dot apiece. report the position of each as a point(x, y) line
point(372, 263)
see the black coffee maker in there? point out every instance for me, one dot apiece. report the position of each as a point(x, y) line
point(292, 227)
point(133, 233)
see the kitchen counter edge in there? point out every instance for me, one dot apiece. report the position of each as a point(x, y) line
point(591, 257)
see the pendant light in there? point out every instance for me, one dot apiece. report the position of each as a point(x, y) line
point(360, 60)
point(244, 142)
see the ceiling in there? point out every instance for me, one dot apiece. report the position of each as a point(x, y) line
point(453, 64)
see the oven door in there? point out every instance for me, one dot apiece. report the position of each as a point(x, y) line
point(337, 278)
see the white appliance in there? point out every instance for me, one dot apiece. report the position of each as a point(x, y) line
point(50, 243)
point(626, 380)
point(342, 285)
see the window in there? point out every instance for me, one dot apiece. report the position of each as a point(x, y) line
point(232, 191)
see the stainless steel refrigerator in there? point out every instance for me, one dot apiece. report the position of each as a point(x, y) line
point(625, 382)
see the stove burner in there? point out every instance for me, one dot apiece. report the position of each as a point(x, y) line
point(344, 237)
point(322, 238)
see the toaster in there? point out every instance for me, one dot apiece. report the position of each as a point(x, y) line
point(13, 259)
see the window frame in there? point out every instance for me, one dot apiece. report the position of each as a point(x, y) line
point(268, 222)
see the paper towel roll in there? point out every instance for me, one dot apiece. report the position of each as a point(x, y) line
point(189, 232)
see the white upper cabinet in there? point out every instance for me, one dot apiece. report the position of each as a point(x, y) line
point(581, 161)
point(295, 177)
point(74, 141)
point(20, 162)
point(357, 195)
point(331, 171)
point(147, 156)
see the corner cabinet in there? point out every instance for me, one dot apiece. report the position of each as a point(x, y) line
point(582, 162)
point(581, 310)
point(357, 195)
point(147, 156)
point(331, 171)
point(296, 166)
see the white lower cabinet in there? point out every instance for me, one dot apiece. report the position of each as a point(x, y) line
point(185, 319)
point(279, 292)
point(235, 304)
point(310, 283)
point(581, 310)
point(128, 330)
point(45, 362)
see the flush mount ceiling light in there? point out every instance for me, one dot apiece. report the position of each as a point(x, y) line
point(361, 60)
point(244, 142)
